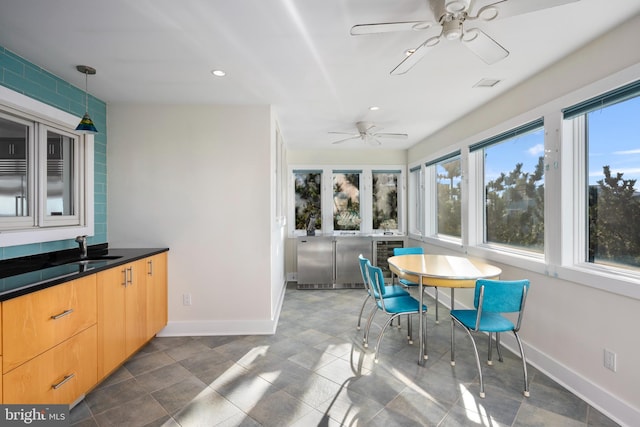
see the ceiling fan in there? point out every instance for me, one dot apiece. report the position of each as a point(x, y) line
point(367, 134)
point(449, 16)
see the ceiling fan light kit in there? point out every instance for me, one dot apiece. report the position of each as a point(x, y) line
point(455, 6)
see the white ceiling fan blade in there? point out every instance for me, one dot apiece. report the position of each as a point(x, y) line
point(391, 135)
point(389, 27)
point(508, 8)
point(415, 57)
point(345, 133)
point(340, 141)
point(484, 46)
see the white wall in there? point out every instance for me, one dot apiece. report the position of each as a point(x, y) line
point(197, 179)
point(568, 324)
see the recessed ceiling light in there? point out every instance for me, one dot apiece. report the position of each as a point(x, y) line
point(487, 83)
point(374, 108)
point(218, 73)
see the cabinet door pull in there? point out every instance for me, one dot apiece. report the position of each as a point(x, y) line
point(64, 380)
point(150, 272)
point(64, 313)
point(124, 280)
point(130, 280)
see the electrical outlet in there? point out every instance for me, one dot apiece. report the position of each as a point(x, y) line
point(609, 360)
point(186, 299)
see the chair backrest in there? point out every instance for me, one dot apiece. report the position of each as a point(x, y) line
point(363, 270)
point(376, 279)
point(501, 296)
point(408, 251)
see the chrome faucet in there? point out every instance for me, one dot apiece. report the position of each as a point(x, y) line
point(82, 242)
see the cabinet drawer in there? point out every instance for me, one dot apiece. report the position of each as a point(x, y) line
point(58, 376)
point(36, 322)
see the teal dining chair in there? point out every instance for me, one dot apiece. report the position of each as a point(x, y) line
point(394, 307)
point(414, 250)
point(390, 291)
point(491, 299)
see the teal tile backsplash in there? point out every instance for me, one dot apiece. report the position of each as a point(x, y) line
point(29, 79)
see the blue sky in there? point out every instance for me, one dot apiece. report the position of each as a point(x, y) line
point(503, 157)
point(614, 140)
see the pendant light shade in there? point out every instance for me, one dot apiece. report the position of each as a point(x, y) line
point(86, 124)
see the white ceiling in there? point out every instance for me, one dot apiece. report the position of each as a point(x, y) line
point(295, 55)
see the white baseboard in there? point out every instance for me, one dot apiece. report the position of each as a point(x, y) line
point(610, 405)
point(192, 328)
point(187, 328)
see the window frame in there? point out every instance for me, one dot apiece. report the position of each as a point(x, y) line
point(575, 131)
point(476, 152)
point(416, 202)
point(399, 199)
point(431, 176)
point(43, 229)
point(366, 198)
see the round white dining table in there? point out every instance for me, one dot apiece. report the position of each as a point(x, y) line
point(442, 271)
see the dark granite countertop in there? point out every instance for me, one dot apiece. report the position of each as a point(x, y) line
point(22, 276)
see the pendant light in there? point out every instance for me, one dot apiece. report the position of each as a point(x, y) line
point(86, 124)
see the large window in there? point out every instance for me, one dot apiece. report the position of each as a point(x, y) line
point(610, 133)
point(514, 187)
point(46, 173)
point(354, 200)
point(385, 200)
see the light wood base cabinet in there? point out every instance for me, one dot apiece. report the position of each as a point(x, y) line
point(35, 322)
point(57, 376)
point(157, 298)
point(61, 341)
point(132, 301)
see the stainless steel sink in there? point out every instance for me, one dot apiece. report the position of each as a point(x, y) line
point(94, 260)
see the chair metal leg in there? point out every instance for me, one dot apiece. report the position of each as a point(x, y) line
point(424, 335)
point(498, 347)
point(410, 338)
point(490, 347)
point(475, 351)
point(361, 310)
point(524, 365)
point(375, 359)
point(365, 338)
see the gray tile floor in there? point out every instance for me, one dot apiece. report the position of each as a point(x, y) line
point(315, 372)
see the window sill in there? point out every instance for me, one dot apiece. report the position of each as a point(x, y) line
point(40, 235)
